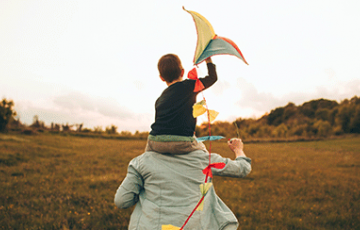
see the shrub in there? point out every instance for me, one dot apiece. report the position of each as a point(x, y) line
point(6, 114)
point(323, 128)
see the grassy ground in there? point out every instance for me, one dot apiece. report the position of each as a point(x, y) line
point(66, 182)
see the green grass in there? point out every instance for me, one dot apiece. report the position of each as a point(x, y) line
point(66, 182)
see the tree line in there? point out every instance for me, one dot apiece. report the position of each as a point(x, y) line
point(319, 118)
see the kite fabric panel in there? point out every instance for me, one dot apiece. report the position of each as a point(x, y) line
point(204, 188)
point(208, 43)
point(169, 227)
point(220, 45)
point(204, 30)
point(209, 138)
point(194, 76)
point(199, 109)
point(218, 165)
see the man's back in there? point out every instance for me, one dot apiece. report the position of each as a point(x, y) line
point(168, 188)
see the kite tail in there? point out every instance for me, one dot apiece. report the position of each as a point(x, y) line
point(197, 205)
point(208, 113)
point(206, 177)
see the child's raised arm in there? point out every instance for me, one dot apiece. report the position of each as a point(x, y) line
point(208, 60)
point(212, 76)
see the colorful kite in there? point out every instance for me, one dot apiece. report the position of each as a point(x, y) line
point(208, 43)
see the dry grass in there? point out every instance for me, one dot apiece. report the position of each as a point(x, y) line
point(65, 182)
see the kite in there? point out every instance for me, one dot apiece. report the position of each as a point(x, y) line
point(208, 43)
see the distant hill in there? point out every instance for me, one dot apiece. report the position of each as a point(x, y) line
point(313, 119)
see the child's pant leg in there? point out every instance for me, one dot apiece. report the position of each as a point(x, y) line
point(174, 147)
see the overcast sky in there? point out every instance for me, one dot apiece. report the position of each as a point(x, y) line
point(95, 62)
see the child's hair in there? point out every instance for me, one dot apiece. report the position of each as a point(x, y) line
point(170, 67)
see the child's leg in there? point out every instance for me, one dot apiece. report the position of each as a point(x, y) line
point(195, 145)
point(174, 147)
point(148, 146)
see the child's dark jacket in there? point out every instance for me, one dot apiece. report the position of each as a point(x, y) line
point(174, 107)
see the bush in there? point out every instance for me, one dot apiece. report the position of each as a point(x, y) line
point(280, 131)
point(111, 129)
point(323, 128)
point(6, 114)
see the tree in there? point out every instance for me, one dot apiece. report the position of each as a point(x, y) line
point(37, 123)
point(98, 129)
point(6, 114)
point(309, 108)
point(345, 113)
point(323, 128)
point(322, 114)
point(355, 121)
point(280, 131)
point(289, 111)
point(276, 116)
point(111, 130)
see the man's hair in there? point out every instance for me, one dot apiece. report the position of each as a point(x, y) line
point(170, 67)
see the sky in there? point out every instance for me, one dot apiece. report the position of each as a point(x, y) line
point(95, 62)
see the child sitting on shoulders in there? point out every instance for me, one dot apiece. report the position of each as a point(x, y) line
point(174, 126)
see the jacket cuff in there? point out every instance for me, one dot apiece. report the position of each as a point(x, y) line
point(244, 158)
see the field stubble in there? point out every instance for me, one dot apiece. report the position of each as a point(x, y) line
point(66, 182)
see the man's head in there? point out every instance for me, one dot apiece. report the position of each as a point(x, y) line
point(170, 68)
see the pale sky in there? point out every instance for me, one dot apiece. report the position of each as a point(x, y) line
point(95, 62)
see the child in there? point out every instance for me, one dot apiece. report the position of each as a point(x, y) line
point(165, 189)
point(174, 126)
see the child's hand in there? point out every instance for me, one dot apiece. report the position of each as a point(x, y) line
point(208, 60)
point(236, 145)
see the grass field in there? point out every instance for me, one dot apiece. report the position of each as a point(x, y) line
point(66, 182)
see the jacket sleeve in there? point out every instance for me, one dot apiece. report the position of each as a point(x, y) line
point(128, 192)
point(240, 167)
point(212, 76)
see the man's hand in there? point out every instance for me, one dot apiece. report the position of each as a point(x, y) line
point(208, 60)
point(236, 145)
